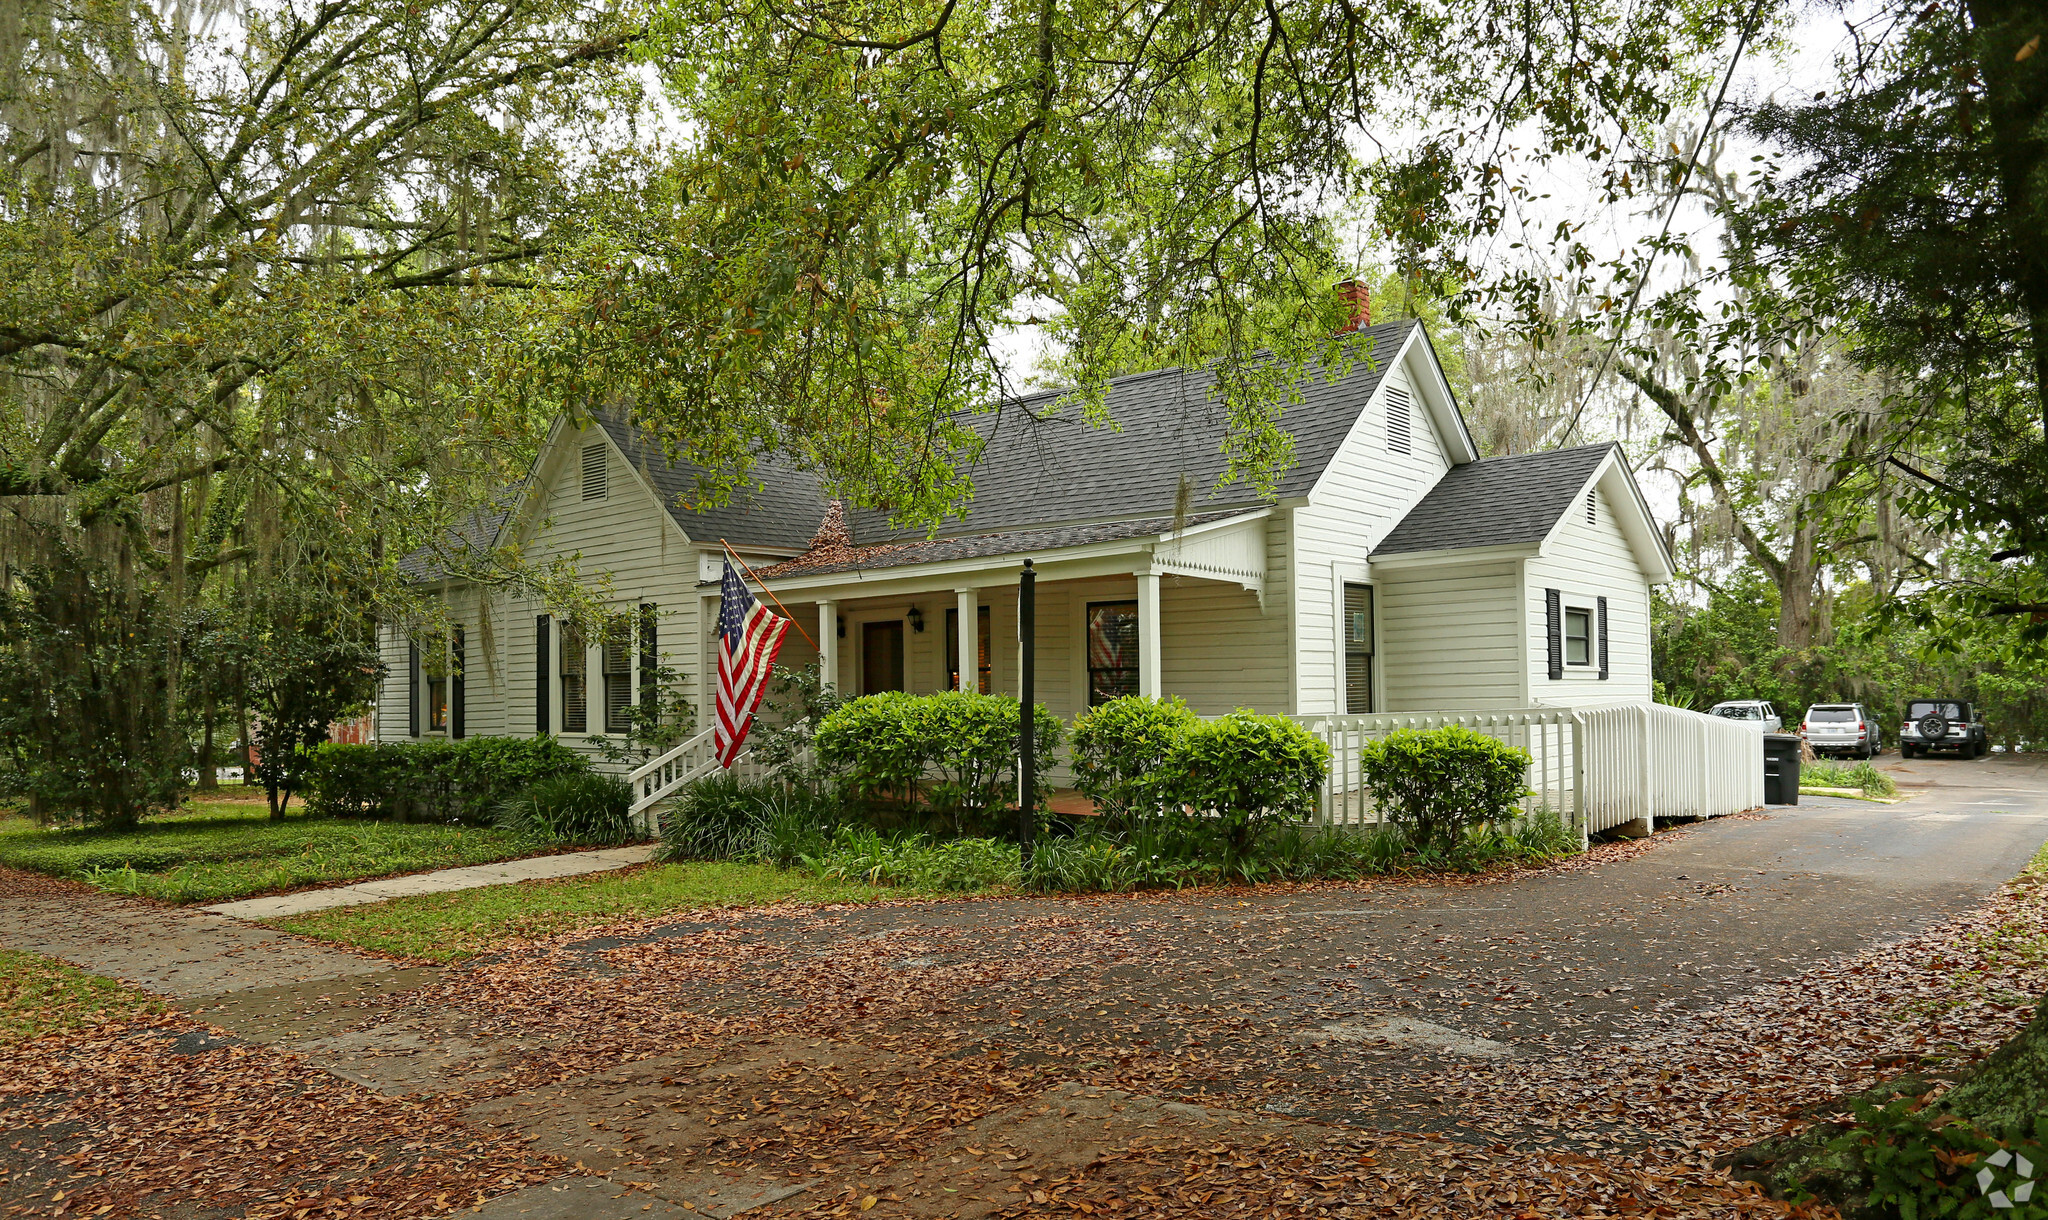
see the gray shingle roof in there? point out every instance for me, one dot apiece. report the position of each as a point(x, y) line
point(1037, 470)
point(470, 537)
point(980, 546)
point(1496, 501)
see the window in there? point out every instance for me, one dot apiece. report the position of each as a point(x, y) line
point(1400, 415)
point(1947, 711)
point(435, 663)
point(1833, 715)
point(575, 697)
point(981, 649)
point(1578, 636)
point(617, 657)
point(594, 471)
point(1357, 649)
point(1112, 651)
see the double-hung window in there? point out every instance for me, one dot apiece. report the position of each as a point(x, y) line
point(1578, 636)
point(575, 692)
point(618, 680)
point(1357, 649)
point(1112, 651)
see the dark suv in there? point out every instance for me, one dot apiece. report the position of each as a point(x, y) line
point(1943, 724)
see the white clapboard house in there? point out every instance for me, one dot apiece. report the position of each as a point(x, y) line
point(1395, 570)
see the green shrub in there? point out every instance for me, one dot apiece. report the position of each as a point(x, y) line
point(437, 781)
point(957, 865)
point(585, 808)
point(1248, 771)
point(721, 818)
point(1908, 1161)
point(887, 745)
point(1119, 748)
point(876, 744)
point(1439, 783)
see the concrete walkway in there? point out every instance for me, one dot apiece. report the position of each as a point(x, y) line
point(538, 868)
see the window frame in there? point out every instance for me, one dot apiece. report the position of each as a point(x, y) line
point(618, 713)
point(1089, 668)
point(1590, 638)
point(1350, 647)
point(572, 674)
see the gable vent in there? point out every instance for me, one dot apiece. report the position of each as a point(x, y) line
point(1592, 506)
point(594, 471)
point(1400, 415)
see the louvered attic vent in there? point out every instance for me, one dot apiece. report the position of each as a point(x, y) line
point(1592, 506)
point(594, 470)
point(1400, 411)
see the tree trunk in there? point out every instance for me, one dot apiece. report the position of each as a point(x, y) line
point(209, 774)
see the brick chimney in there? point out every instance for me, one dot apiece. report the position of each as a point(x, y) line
point(1356, 299)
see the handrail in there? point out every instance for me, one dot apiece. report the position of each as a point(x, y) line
point(657, 779)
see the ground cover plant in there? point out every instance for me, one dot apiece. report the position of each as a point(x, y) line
point(39, 995)
point(451, 927)
point(581, 808)
point(1862, 775)
point(214, 854)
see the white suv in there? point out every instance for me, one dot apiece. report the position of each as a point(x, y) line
point(1757, 712)
point(1842, 728)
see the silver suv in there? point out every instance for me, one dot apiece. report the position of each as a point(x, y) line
point(1943, 724)
point(1842, 728)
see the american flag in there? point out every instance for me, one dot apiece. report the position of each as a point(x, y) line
point(748, 639)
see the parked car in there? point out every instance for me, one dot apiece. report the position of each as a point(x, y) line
point(1757, 712)
point(1842, 728)
point(1943, 724)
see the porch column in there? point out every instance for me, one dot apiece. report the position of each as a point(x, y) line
point(1148, 635)
point(828, 643)
point(969, 659)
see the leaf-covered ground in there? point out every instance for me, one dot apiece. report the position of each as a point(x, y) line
point(1576, 1041)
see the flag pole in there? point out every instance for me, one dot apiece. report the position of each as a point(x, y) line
point(793, 621)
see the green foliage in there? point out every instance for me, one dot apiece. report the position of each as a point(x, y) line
point(439, 781)
point(581, 807)
point(1904, 1159)
point(884, 747)
point(214, 857)
point(1441, 783)
point(304, 662)
point(798, 701)
point(724, 818)
point(1862, 775)
point(86, 661)
point(1120, 747)
point(863, 854)
point(1247, 770)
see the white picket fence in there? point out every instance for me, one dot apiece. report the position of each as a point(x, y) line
point(1597, 768)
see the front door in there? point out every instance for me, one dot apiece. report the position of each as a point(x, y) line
point(881, 657)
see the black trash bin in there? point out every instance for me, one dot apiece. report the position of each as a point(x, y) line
point(1781, 769)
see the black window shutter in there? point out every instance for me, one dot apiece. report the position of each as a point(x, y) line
point(455, 692)
point(412, 688)
point(541, 675)
point(650, 657)
point(1602, 609)
point(1553, 619)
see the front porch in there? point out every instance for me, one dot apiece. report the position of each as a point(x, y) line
point(1156, 612)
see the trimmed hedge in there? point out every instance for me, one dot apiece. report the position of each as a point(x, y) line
point(964, 742)
point(434, 781)
point(1120, 747)
point(1440, 783)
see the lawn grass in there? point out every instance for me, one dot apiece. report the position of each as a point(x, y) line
point(39, 995)
point(215, 852)
point(449, 927)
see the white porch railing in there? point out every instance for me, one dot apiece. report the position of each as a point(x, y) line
point(658, 779)
point(1597, 768)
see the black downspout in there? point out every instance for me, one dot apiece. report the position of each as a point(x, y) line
point(1027, 736)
